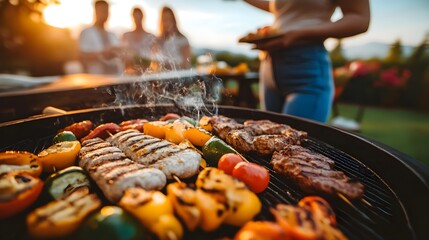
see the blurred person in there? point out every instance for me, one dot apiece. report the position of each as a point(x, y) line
point(174, 48)
point(99, 48)
point(296, 72)
point(139, 43)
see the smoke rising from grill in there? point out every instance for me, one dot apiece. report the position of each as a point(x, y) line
point(193, 95)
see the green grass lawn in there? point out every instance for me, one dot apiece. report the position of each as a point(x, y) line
point(407, 131)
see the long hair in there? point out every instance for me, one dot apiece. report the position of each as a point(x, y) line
point(162, 33)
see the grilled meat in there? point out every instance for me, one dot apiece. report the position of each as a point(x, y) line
point(114, 172)
point(314, 172)
point(267, 144)
point(223, 125)
point(261, 136)
point(267, 127)
point(241, 139)
point(171, 159)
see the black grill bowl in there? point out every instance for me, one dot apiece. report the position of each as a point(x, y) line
point(396, 200)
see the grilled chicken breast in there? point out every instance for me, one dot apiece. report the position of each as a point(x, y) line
point(153, 152)
point(114, 172)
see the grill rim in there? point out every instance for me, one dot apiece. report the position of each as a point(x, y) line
point(402, 173)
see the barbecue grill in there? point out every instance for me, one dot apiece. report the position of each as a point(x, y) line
point(394, 206)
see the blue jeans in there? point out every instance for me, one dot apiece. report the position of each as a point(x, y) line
point(303, 84)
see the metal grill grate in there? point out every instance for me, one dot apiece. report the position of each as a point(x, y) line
point(383, 217)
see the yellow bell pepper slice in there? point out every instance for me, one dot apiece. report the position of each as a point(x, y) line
point(59, 156)
point(155, 129)
point(20, 161)
point(197, 136)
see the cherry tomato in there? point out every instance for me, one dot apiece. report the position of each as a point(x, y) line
point(254, 176)
point(228, 161)
point(169, 116)
point(102, 131)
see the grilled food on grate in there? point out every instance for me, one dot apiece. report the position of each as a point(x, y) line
point(171, 159)
point(114, 172)
point(261, 136)
point(314, 172)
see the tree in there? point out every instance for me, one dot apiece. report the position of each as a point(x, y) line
point(418, 84)
point(337, 57)
point(395, 54)
point(27, 43)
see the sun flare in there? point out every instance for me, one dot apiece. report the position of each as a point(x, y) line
point(68, 14)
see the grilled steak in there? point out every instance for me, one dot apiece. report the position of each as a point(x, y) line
point(146, 150)
point(267, 127)
point(314, 172)
point(267, 144)
point(223, 125)
point(114, 172)
point(262, 136)
point(241, 139)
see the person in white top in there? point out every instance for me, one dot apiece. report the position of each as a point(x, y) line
point(175, 50)
point(296, 74)
point(99, 48)
point(139, 43)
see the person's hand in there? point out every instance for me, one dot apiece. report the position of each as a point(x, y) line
point(286, 40)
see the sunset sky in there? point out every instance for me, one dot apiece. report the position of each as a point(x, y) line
point(219, 24)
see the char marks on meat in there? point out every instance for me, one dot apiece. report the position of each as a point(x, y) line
point(223, 125)
point(171, 159)
point(114, 172)
point(261, 136)
point(314, 172)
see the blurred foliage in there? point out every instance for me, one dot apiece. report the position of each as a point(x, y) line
point(337, 56)
point(394, 81)
point(29, 45)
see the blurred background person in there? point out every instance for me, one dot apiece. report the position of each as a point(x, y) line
point(174, 49)
point(296, 72)
point(139, 44)
point(99, 48)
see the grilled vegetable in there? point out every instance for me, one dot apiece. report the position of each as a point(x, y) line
point(228, 161)
point(175, 132)
point(262, 230)
point(197, 136)
point(184, 203)
point(154, 210)
point(102, 131)
point(63, 216)
point(59, 156)
point(205, 123)
point(20, 161)
point(230, 195)
point(253, 175)
point(301, 223)
point(64, 182)
point(80, 129)
point(244, 206)
point(64, 136)
point(214, 149)
point(155, 129)
point(213, 208)
point(320, 208)
point(17, 192)
point(188, 120)
point(112, 222)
